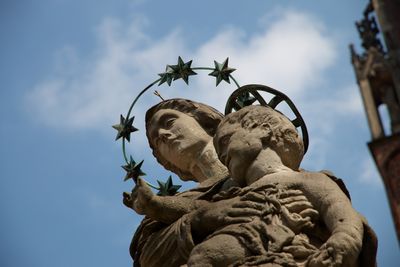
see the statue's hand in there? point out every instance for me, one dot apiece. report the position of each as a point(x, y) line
point(214, 215)
point(127, 199)
point(298, 213)
point(296, 203)
point(339, 250)
point(141, 197)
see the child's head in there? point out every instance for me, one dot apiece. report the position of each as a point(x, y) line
point(243, 134)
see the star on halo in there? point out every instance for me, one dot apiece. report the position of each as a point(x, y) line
point(167, 188)
point(133, 170)
point(245, 100)
point(222, 71)
point(125, 128)
point(182, 70)
point(166, 76)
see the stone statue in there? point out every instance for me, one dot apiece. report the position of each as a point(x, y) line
point(263, 151)
point(180, 133)
point(267, 213)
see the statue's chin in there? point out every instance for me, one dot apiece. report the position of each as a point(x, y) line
point(188, 150)
point(181, 156)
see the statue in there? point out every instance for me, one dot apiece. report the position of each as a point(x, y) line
point(253, 206)
point(180, 133)
point(263, 151)
point(280, 214)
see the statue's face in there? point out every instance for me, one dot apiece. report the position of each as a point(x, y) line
point(178, 137)
point(237, 148)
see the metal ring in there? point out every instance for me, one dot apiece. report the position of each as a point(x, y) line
point(276, 100)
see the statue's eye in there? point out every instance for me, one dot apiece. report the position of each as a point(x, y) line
point(169, 122)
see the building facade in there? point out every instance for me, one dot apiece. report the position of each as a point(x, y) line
point(377, 70)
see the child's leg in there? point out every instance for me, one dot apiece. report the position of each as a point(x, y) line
point(219, 250)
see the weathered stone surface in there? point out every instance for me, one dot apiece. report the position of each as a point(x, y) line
point(264, 212)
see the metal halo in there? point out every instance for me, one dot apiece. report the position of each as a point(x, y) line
point(278, 98)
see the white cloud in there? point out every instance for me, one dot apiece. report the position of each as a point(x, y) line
point(344, 101)
point(325, 117)
point(325, 112)
point(92, 93)
point(290, 54)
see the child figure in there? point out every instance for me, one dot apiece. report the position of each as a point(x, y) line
point(263, 151)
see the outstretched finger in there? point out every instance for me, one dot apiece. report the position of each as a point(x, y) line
point(298, 206)
point(291, 193)
point(244, 212)
point(248, 204)
point(290, 199)
point(254, 196)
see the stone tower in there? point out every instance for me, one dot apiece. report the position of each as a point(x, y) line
point(377, 71)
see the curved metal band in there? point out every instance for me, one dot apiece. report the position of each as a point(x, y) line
point(276, 100)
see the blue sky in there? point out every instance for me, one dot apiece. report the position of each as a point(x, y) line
point(69, 68)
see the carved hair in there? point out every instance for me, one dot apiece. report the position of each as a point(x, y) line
point(207, 117)
point(279, 133)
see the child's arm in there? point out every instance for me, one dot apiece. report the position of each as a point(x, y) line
point(166, 209)
point(345, 224)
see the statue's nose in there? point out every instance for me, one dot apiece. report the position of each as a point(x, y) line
point(164, 134)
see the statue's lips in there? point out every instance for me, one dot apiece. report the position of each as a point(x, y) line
point(172, 142)
point(166, 141)
point(175, 141)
